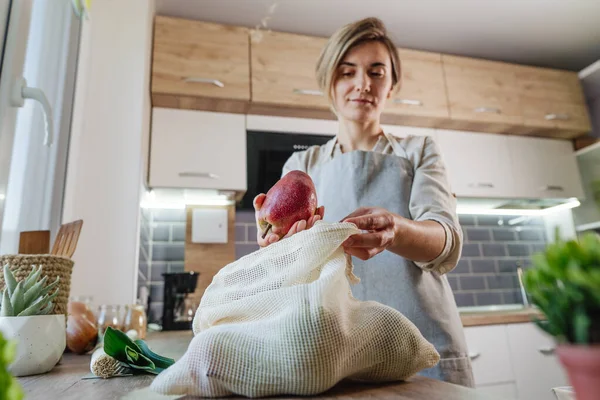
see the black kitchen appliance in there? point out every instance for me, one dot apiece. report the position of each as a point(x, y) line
point(266, 153)
point(180, 304)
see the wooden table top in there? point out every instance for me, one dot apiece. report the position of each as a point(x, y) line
point(65, 381)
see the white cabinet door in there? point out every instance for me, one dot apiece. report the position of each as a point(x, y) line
point(478, 164)
point(488, 349)
point(197, 149)
point(537, 369)
point(504, 391)
point(545, 168)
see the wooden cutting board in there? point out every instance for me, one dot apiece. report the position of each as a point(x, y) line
point(208, 258)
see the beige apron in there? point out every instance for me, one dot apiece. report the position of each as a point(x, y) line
point(362, 179)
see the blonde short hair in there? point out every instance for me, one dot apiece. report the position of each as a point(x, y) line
point(350, 35)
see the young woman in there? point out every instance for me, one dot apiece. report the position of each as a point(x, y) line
point(395, 190)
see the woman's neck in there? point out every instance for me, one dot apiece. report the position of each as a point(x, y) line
point(358, 136)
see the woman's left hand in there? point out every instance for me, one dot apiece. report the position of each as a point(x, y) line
point(382, 231)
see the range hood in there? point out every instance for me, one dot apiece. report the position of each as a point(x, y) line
point(508, 206)
point(179, 198)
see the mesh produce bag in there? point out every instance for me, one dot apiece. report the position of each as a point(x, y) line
point(282, 320)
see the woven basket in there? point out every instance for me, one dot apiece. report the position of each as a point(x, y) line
point(52, 266)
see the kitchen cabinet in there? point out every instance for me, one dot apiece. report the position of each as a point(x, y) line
point(283, 70)
point(544, 168)
point(422, 89)
point(200, 65)
point(514, 361)
point(536, 367)
point(482, 91)
point(197, 150)
point(504, 391)
point(552, 99)
point(489, 353)
point(476, 163)
point(213, 67)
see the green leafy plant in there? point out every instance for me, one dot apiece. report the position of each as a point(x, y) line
point(9, 388)
point(28, 297)
point(564, 284)
point(136, 354)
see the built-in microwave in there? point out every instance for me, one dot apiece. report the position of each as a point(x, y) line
point(266, 153)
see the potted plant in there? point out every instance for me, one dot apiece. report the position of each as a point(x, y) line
point(9, 388)
point(25, 317)
point(564, 284)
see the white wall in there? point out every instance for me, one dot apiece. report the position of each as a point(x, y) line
point(110, 123)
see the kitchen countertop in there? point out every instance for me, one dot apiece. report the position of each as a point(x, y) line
point(65, 381)
point(495, 315)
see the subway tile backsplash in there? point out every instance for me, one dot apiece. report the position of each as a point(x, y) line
point(485, 275)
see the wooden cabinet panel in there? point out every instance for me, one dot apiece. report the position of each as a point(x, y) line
point(197, 149)
point(422, 90)
point(552, 99)
point(283, 70)
point(198, 60)
point(482, 91)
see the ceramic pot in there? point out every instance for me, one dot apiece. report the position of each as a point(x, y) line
point(582, 364)
point(41, 341)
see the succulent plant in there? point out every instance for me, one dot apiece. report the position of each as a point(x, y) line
point(27, 297)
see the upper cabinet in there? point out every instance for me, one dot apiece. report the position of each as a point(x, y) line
point(213, 67)
point(422, 90)
point(197, 149)
point(482, 91)
point(552, 99)
point(200, 65)
point(283, 70)
point(544, 168)
point(476, 164)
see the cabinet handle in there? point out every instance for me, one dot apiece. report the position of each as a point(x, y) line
point(552, 117)
point(215, 82)
point(553, 188)
point(409, 102)
point(308, 92)
point(546, 350)
point(487, 110)
point(485, 185)
point(198, 175)
point(474, 355)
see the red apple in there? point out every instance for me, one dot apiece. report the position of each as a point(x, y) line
point(293, 198)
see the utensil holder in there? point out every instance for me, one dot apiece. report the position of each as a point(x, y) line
point(52, 266)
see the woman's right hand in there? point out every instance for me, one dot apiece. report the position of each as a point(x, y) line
point(298, 226)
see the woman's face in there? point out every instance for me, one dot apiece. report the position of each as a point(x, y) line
point(363, 82)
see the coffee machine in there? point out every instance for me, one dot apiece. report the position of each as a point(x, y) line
point(180, 303)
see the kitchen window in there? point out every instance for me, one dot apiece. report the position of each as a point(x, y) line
point(40, 41)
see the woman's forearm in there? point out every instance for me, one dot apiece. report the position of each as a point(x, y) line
point(419, 241)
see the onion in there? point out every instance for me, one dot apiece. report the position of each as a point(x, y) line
point(82, 332)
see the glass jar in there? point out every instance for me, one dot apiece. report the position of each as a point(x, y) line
point(108, 315)
point(136, 319)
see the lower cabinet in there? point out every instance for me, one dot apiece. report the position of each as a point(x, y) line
point(514, 361)
point(536, 366)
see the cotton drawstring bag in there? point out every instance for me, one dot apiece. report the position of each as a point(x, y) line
point(283, 321)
